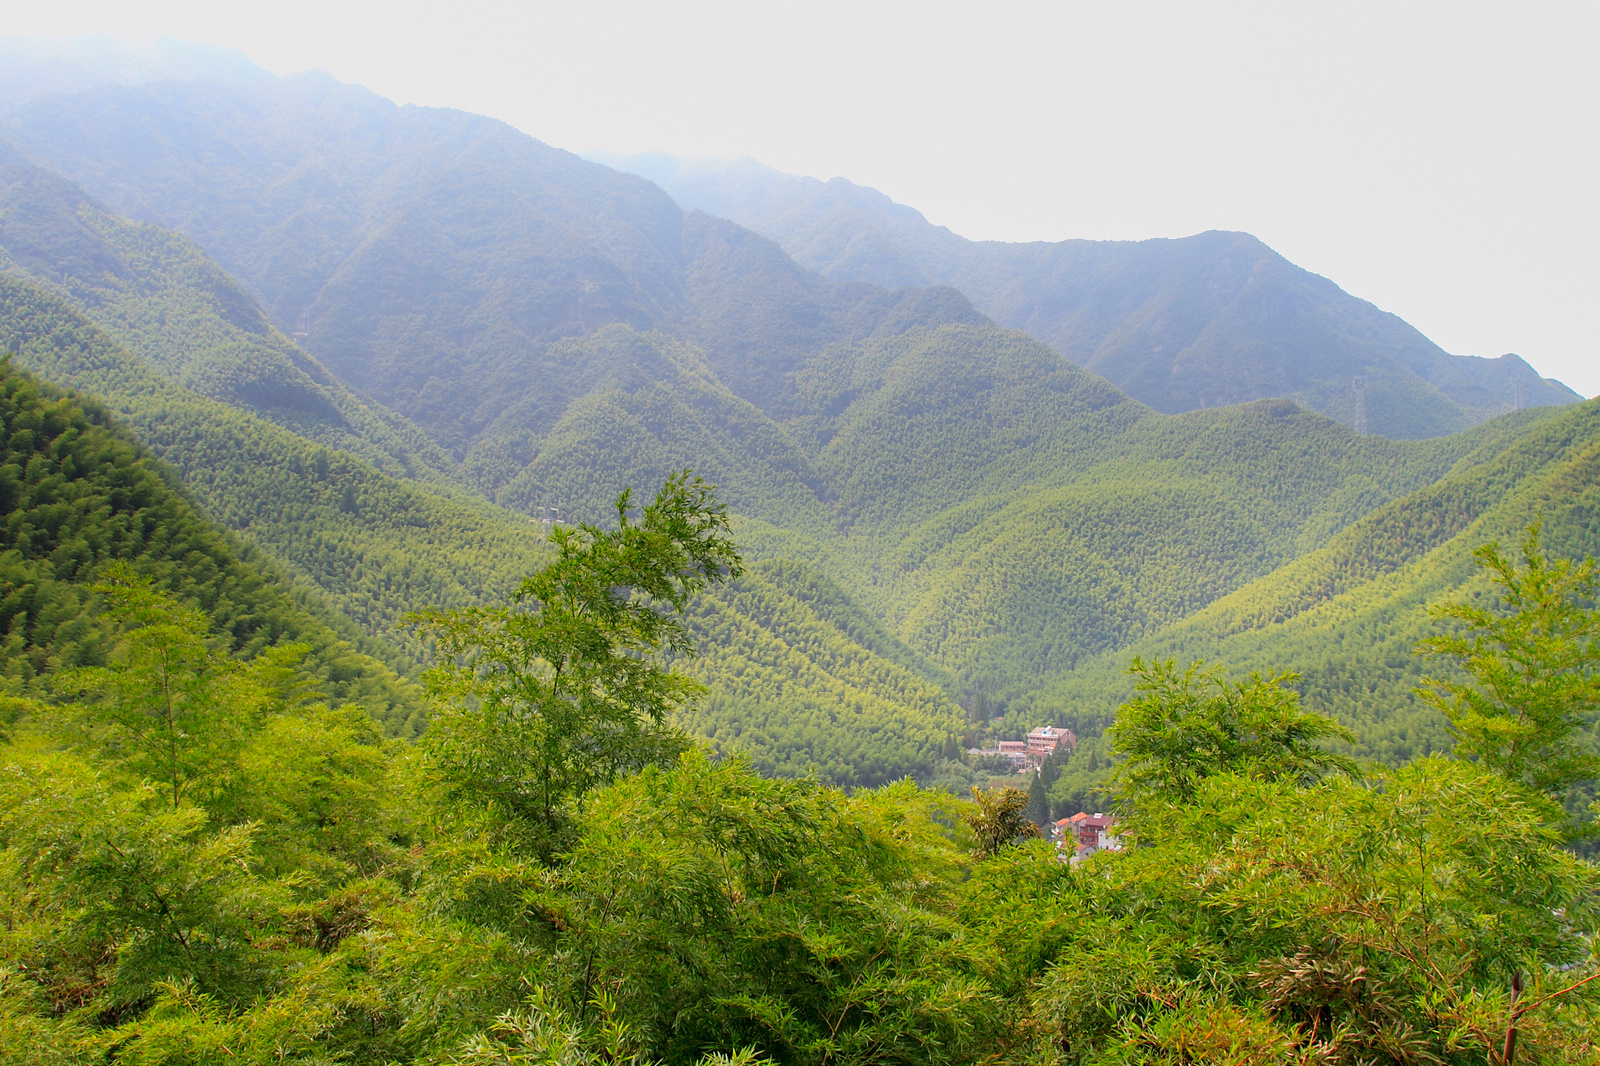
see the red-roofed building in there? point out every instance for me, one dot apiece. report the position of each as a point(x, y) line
point(1091, 833)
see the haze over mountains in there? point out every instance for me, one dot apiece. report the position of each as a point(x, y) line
point(378, 343)
point(43, 66)
point(1179, 324)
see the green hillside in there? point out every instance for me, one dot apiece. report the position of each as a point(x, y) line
point(1348, 615)
point(78, 494)
point(1002, 512)
point(631, 408)
point(801, 681)
point(1002, 515)
point(691, 784)
point(329, 516)
point(1202, 321)
point(846, 414)
point(1010, 513)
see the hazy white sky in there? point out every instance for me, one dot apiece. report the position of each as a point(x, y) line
point(1438, 159)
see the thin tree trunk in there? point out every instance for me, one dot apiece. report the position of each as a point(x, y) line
point(1508, 1053)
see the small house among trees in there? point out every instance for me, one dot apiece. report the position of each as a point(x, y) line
point(1083, 834)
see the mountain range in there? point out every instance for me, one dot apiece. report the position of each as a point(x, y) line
point(1179, 324)
point(371, 349)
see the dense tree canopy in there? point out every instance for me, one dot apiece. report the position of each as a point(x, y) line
point(225, 868)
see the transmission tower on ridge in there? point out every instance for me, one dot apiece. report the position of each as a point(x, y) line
point(549, 515)
point(1360, 385)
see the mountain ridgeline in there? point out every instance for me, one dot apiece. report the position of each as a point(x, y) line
point(431, 258)
point(828, 689)
point(382, 347)
point(1202, 321)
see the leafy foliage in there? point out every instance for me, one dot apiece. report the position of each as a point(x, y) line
point(1182, 727)
point(1266, 923)
point(1000, 819)
point(322, 902)
point(112, 892)
point(1534, 664)
point(731, 910)
point(561, 690)
point(167, 700)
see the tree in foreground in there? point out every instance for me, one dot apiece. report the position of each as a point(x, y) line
point(565, 687)
point(169, 705)
point(1001, 819)
point(1185, 726)
point(718, 910)
point(1532, 661)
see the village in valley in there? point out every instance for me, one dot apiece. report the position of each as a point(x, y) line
point(1078, 836)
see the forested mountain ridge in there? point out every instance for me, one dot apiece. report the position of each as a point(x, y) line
point(1003, 511)
point(430, 258)
point(328, 515)
point(188, 318)
point(1201, 321)
point(283, 883)
point(164, 299)
point(1009, 513)
point(308, 185)
point(210, 855)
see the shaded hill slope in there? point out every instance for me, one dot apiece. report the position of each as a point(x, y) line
point(76, 494)
point(1197, 322)
point(169, 303)
point(652, 403)
point(329, 517)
